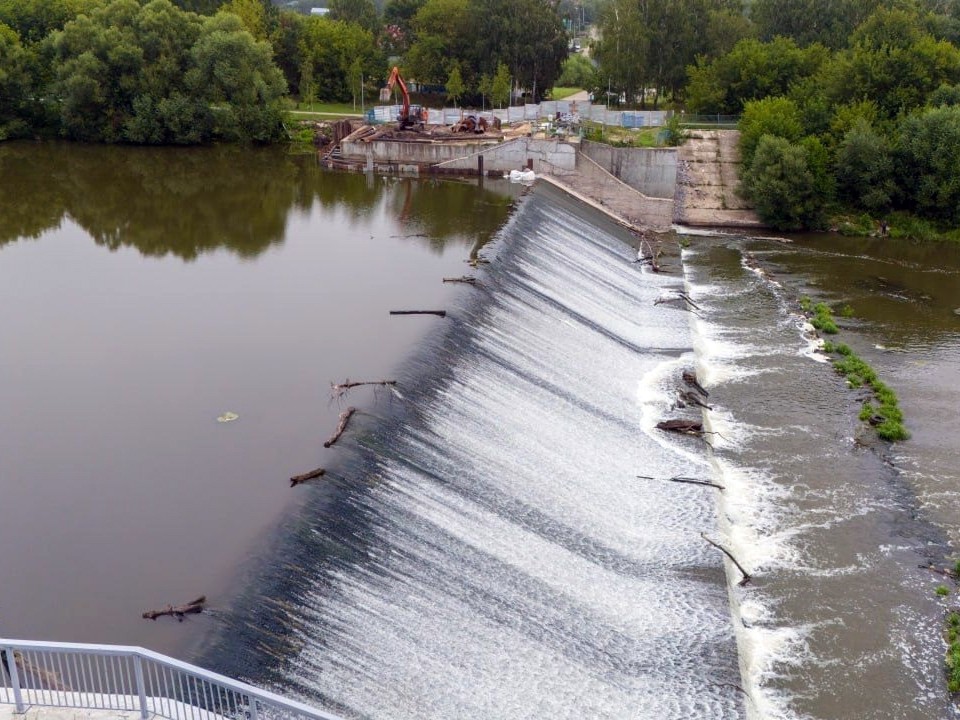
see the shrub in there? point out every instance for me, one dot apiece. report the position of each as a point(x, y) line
point(782, 185)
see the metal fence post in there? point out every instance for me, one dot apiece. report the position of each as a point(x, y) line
point(141, 689)
point(11, 665)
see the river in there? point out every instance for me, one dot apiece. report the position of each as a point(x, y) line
point(499, 537)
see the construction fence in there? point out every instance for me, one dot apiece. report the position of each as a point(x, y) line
point(568, 111)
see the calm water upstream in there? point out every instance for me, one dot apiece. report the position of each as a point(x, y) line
point(144, 293)
point(482, 546)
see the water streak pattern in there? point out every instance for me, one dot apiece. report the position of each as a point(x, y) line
point(490, 552)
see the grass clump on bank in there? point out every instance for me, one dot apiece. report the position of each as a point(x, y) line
point(953, 652)
point(883, 411)
point(821, 316)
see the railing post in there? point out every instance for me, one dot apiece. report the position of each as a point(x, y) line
point(11, 666)
point(141, 688)
point(252, 702)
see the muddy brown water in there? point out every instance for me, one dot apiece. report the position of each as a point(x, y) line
point(146, 292)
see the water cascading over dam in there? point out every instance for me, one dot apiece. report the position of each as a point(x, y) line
point(487, 550)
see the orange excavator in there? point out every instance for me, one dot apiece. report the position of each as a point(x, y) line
point(409, 118)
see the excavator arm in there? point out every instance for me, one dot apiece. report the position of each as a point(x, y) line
point(394, 80)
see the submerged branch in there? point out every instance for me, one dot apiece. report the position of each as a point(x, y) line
point(341, 426)
point(178, 611)
point(746, 576)
point(312, 475)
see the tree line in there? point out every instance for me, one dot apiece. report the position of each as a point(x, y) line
point(191, 71)
point(850, 108)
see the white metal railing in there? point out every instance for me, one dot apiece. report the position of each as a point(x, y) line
point(116, 677)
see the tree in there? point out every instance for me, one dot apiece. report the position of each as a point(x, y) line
point(15, 85)
point(442, 30)
point(237, 76)
point(751, 71)
point(253, 13)
point(500, 86)
point(893, 62)
point(355, 80)
point(829, 22)
point(782, 186)
point(578, 72)
point(864, 169)
point(485, 88)
point(33, 20)
point(927, 158)
point(774, 116)
point(455, 85)
point(359, 12)
point(332, 48)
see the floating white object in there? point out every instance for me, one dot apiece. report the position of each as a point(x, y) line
point(522, 176)
point(228, 417)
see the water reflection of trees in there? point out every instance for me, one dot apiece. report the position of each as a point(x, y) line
point(186, 202)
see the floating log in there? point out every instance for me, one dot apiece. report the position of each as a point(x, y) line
point(178, 611)
point(746, 576)
point(312, 475)
point(438, 313)
point(688, 480)
point(690, 378)
point(341, 426)
point(681, 426)
point(691, 399)
point(338, 389)
point(465, 279)
point(940, 571)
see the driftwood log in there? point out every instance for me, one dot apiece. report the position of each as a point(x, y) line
point(339, 389)
point(689, 481)
point(341, 426)
point(312, 475)
point(690, 398)
point(746, 576)
point(438, 313)
point(464, 279)
point(178, 611)
point(690, 378)
point(940, 571)
point(689, 427)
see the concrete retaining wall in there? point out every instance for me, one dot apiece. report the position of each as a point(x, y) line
point(396, 152)
point(652, 171)
point(547, 156)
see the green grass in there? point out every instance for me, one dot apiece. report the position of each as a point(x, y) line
point(621, 137)
point(559, 93)
point(952, 659)
point(885, 416)
point(822, 319)
point(942, 590)
point(324, 110)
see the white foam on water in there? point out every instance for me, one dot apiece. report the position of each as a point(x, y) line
point(520, 569)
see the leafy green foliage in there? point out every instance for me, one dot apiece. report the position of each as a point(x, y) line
point(886, 416)
point(578, 72)
point(774, 116)
point(455, 87)
point(809, 21)
point(865, 169)
point(782, 185)
point(752, 70)
point(154, 74)
point(928, 155)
